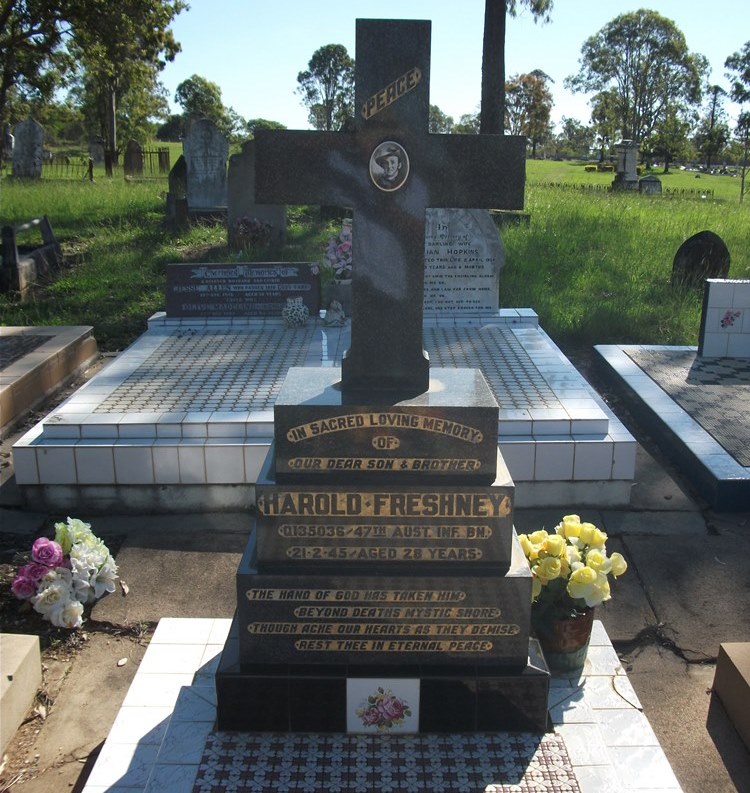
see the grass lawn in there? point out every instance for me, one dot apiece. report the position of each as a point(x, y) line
point(594, 265)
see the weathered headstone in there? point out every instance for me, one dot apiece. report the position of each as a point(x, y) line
point(239, 290)
point(702, 256)
point(205, 150)
point(241, 199)
point(650, 185)
point(28, 151)
point(383, 556)
point(626, 176)
point(463, 258)
point(133, 161)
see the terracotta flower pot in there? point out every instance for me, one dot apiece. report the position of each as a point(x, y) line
point(564, 641)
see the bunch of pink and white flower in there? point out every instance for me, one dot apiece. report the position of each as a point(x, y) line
point(64, 574)
point(338, 255)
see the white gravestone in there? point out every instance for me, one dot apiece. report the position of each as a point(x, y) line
point(463, 259)
point(206, 151)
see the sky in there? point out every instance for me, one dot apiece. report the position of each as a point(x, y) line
point(254, 49)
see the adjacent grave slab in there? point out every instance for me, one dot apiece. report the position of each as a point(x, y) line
point(36, 362)
point(698, 410)
point(190, 403)
point(21, 677)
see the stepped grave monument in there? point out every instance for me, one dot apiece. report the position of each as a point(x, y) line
point(383, 588)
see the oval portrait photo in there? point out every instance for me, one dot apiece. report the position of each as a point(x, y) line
point(389, 166)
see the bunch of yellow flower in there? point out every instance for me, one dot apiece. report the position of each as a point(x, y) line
point(572, 563)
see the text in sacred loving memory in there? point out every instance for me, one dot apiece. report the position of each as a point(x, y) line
point(393, 504)
point(385, 420)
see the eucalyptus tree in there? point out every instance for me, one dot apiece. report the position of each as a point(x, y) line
point(327, 87)
point(643, 58)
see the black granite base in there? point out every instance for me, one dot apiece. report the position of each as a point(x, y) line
point(267, 698)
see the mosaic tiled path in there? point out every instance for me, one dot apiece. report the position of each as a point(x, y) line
point(492, 763)
point(714, 391)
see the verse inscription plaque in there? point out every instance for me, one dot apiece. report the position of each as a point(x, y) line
point(424, 619)
point(237, 290)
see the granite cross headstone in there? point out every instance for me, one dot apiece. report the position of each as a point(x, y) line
point(389, 169)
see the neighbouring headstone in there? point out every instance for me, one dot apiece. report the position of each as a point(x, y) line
point(205, 150)
point(239, 290)
point(177, 208)
point(133, 161)
point(463, 258)
point(241, 205)
point(650, 185)
point(28, 150)
point(382, 566)
point(96, 151)
point(626, 171)
point(702, 256)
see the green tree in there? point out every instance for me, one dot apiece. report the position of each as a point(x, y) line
point(32, 55)
point(738, 71)
point(528, 105)
point(200, 97)
point(492, 113)
point(262, 123)
point(327, 87)
point(468, 124)
point(575, 138)
point(712, 134)
point(644, 59)
point(439, 121)
point(604, 120)
point(121, 47)
point(670, 140)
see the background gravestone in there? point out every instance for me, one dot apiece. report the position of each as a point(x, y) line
point(8, 143)
point(205, 150)
point(96, 151)
point(177, 210)
point(702, 256)
point(626, 177)
point(133, 159)
point(463, 259)
point(241, 199)
point(650, 185)
point(28, 151)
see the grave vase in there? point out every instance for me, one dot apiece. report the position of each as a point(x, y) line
point(341, 290)
point(564, 640)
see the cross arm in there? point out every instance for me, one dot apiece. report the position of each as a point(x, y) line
point(304, 167)
point(477, 171)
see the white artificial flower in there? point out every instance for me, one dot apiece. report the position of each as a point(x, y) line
point(68, 615)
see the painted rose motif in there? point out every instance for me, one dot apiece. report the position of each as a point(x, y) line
point(383, 710)
point(730, 318)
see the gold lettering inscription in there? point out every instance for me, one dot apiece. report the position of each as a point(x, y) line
point(384, 420)
point(363, 532)
point(370, 629)
point(378, 553)
point(383, 464)
point(397, 612)
point(354, 595)
point(391, 93)
point(465, 504)
point(392, 646)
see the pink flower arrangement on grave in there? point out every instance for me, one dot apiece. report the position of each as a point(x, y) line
point(338, 255)
point(383, 710)
point(64, 574)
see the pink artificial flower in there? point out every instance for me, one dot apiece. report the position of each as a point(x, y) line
point(392, 708)
point(46, 552)
point(23, 588)
point(33, 571)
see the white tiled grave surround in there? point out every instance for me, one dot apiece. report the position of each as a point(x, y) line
point(191, 403)
point(725, 325)
point(157, 740)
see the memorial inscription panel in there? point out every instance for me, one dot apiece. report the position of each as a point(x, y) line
point(239, 290)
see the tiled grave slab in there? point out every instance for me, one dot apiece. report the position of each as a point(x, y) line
point(36, 362)
point(191, 403)
point(163, 738)
point(698, 410)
